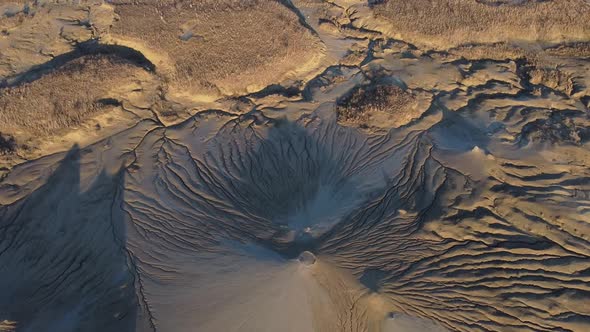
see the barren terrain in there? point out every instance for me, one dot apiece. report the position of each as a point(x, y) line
point(304, 165)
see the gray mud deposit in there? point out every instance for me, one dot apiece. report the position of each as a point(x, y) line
point(458, 200)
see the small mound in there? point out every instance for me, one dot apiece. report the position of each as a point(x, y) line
point(380, 106)
point(207, 47)
point(552, 78)
point(307, 258)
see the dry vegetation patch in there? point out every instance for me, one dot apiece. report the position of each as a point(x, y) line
point(380, 106)
point(444, 24)
point(234, 46)
point(581, 50)
point(498, 52)
point(65, 97)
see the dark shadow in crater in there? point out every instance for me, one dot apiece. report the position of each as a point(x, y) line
point(63, 265)
point(296, 177)
point(290, 177)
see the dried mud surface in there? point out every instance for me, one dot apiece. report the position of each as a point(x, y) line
point(299, 165)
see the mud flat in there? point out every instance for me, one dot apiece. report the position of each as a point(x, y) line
point(34, 32)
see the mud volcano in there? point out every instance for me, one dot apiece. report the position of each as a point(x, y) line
point(346, 173)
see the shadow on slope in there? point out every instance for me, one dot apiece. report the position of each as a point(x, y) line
point(62, 264)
